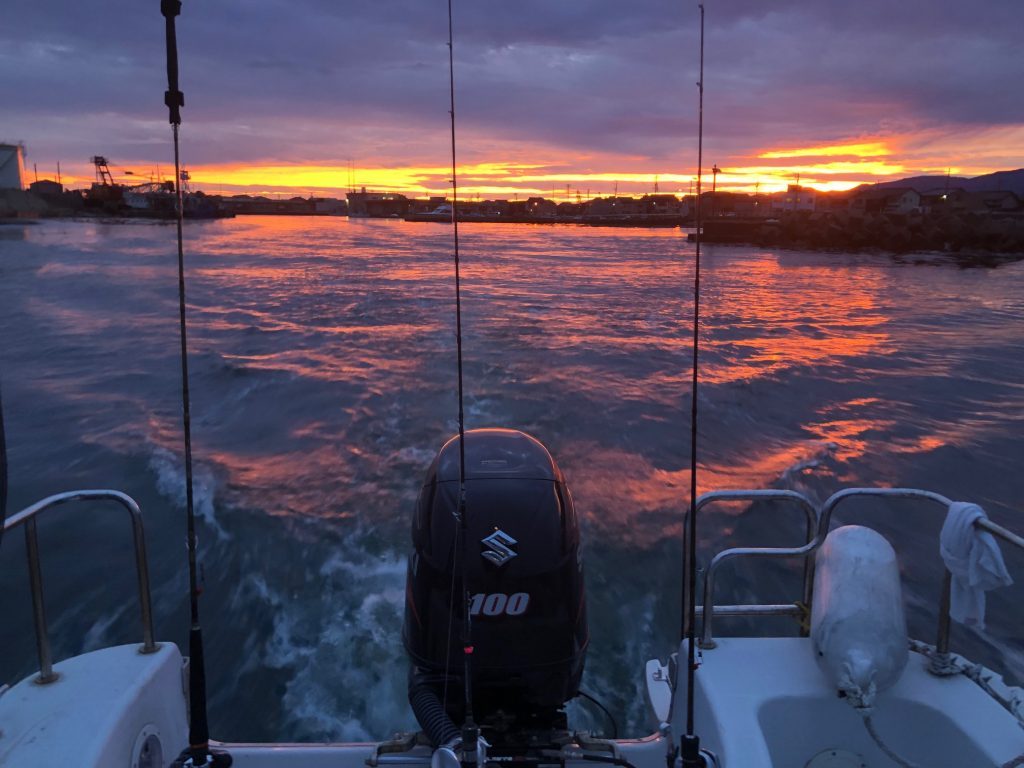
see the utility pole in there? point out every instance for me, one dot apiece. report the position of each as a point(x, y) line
point(715, 170)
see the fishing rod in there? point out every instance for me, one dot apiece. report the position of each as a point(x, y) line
point(470, 730)
point(198, 752)
point(3, 468)
point(689, 750)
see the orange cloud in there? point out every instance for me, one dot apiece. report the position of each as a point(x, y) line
point(863, 149)
point(419, 179)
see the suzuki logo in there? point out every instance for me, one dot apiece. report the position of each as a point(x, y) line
point(498, 547)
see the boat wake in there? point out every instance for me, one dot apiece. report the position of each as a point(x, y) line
point(170, 483)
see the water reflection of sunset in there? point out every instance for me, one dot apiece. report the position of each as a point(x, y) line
point(322, 363)
point(615, 488)
point(792, 316)
point(310, 335)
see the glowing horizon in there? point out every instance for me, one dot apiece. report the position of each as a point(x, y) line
point(826, 167)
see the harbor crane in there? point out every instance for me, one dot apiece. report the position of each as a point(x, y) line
point(103, 175)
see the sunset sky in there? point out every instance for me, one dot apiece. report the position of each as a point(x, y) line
point(311, 96)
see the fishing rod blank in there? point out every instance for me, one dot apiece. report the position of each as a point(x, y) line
point(470, 731)
point(198, 752)
point(689, 749)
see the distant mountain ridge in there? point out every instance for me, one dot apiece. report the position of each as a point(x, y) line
point(1002, 181)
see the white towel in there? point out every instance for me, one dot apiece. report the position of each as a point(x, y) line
point(975, 561)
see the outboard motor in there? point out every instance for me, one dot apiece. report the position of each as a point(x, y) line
point(525, 574)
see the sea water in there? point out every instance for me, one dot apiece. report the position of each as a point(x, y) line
point(322, 355)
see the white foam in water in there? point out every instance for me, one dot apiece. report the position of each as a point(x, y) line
point(813, 461)
point(170, 482)
point(344, 653)
point(96, 636)
point(420, 457)
point(795, 477)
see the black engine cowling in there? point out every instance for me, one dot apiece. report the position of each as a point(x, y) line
point(524, 570)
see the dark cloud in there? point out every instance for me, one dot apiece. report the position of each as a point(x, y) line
point(322, 81)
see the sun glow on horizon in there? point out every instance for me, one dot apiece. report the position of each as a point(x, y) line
point(552, 173)
point(399, 178)
point(825, 167)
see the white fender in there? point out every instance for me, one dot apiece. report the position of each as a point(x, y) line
point(858, 625)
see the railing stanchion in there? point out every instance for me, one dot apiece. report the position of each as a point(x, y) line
point(35, 578)
point(149, 645)
point(941, 661)
point(27, 517)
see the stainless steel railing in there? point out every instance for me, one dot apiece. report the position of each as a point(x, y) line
point(792, 609)
point(27, 517)
point(819, 522)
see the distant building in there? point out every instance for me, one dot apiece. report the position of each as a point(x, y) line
point(46, 188)
point(614, 206)
point(329, 206)
point(886, 200)
point(995, 201)
point(12, 166)
point(666, 204)
point(377, 205)
point(496, 207)
point(246, 205)
point(729, 204)
point(831, 202)
point(795, 198)
point(944, 200)
point(539, 207)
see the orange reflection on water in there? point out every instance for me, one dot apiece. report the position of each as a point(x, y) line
point(791, 315)
point(852, 434)
point(851, 437)
point(294, 483)
point(612, 487)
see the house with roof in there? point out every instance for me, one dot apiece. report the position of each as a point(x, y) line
point(660, 203)
point(944, 200)
point(541, 208)
point(832, 202)
point(996, 201)
point(885, 200)
point(795, 198)
point(614, 206)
